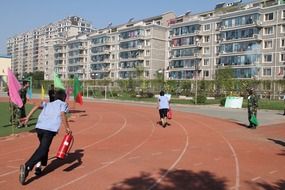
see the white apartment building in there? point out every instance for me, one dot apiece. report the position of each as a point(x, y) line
point(247, 37)
point(34, 51)
point(136, 49)
point(250, 38)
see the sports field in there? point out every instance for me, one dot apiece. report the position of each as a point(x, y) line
point(121, 146)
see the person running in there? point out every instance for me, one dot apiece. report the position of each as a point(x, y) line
point(53, 114)
point(163, 107)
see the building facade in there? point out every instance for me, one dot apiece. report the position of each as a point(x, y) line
point(34, 51)
point(249, 38)
point(246, 37)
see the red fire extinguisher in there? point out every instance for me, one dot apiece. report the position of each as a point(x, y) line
point(65, 146)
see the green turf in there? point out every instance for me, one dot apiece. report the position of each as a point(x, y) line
point(5, 126)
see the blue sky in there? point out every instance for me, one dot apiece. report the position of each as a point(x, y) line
point(19, 16)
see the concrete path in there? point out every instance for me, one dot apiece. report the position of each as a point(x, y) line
point(265, 117)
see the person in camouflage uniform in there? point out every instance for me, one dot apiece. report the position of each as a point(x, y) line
point(252, 107)
point(17, 113)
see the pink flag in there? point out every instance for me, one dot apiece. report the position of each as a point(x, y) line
point(14, 87)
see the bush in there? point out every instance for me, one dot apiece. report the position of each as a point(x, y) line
point(223, 102)
point(147, 95)
point(201, 99)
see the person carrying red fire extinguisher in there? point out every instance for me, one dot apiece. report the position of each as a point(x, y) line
point(53, 114)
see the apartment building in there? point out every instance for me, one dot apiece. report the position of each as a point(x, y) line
point(34, 51)
point(250, 38)
point(136, 49)
point(247, 37)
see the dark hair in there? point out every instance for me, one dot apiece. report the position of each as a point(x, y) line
point(60, 95)
point(161, 93)
point(25, 82)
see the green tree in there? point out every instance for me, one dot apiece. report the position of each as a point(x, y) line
point(224, 81)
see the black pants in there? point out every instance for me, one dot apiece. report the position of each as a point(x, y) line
point(41, 154)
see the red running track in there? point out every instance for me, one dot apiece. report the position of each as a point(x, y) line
point(122, 147)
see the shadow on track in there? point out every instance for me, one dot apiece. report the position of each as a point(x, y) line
point(74, 158)
point(174, 180)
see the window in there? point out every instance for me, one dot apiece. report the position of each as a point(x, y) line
point(206, 62)
point(268, 30)
point(147, 73)
point(268, 44)
point(206, 73)
point(148, 32)
point(147, 42)
point(282, 57)
point(268, 58)
point(283, 28)
point(207, 27)
point(146, 63)
point(206, 39)
point(206, 50)
point(147, 53)
point(283, 14)
point(282, 42)
point(268, 16)
point(267, 72)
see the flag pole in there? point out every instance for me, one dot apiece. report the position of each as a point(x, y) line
point(12, 116)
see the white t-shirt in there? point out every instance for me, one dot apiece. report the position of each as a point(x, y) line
point(163, 102)
point(50, 117)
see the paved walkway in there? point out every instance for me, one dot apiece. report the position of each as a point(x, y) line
point(265, 117)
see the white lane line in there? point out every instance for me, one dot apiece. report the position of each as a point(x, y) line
point(217, 159)
point(273, 172)
point(134, 157)
point(234, 154)
point(110, 163)
point(108, 137)
point(156, 153)
point(177, 160)
point(8, 173)
point(13, 167)
point(176, 150)
point(256, 178)
point(106, 163)
point(29, 147)
point(198, 164)
point(15, 160)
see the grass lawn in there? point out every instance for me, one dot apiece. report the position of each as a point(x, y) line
point(5, 126)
